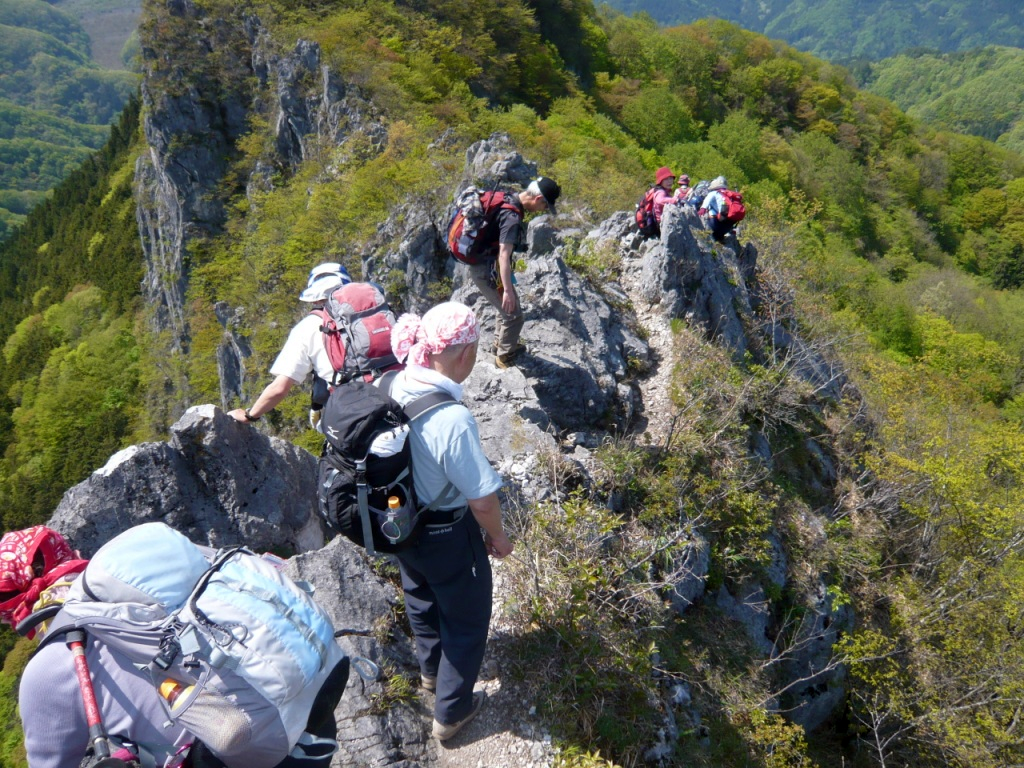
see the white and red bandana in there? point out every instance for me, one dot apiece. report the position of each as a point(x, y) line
point(447, 324)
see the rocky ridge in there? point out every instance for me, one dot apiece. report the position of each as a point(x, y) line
point(599, 363)
point(225, 483)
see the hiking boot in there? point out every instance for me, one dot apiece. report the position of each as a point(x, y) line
point(428, 683)
point(509, 358)
point(444, 732)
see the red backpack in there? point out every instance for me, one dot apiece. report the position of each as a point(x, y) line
point(472, 231)
point(735, 209)
point(645, 221)
point(357, 323)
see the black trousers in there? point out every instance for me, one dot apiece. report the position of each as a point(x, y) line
point(720, 228)
point(447, 581)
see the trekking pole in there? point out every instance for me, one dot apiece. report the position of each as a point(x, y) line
point(97, 733)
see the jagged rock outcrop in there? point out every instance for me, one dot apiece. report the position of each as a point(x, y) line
point(495, 162)
point(580, 348)
point(716, 289)
point(315, 109)
point(412, 260)
point(708, 287)
point(361, 602)
point(216, 480)
point(198, 100)
point(192, 117)
point(690, 572)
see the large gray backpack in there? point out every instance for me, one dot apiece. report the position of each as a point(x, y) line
point(244, 647)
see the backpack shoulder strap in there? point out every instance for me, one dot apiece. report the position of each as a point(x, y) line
point(413, 411)
point(420, 405)
point(427, 402)
point(511, 202)
point(386, 381)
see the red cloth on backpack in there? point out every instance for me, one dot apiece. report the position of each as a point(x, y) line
point(735, 209)
point(22, 553)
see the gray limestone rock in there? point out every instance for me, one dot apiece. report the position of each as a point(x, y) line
point(495, 161)
point(315, 108)
point(703, 282)
point(363, 607)
point(580, 350)
point(818, 680)
point(750, 608)
point(542, 237)
point(690, 573)
point(217, 481)
point(190, 131)
point(412, 259)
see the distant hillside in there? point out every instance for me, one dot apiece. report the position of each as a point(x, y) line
point(110, 24)
point(978, 92)
point(56, 105)
point(843, 29)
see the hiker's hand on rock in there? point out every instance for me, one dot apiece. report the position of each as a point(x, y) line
point(509, 300)
point(498, 546)
point(238, 415)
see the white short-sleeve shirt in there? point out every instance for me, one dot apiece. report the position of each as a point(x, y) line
point(714, 203)
point(303, 352)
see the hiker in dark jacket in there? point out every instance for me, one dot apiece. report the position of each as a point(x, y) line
point(446, 574)
point(493, 276)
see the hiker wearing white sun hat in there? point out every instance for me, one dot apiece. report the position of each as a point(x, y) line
point(304, 352)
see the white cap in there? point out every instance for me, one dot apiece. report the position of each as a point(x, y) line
point(324, 278)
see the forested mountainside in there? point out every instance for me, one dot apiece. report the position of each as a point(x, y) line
point(847, 29)
point(980, 92)
point(275, 135)
point(56, 104)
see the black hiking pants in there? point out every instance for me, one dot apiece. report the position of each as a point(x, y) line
point(447, 581)
point(720, 228)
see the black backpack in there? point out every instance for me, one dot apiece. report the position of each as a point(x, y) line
point(370, 498)
point(645, 221)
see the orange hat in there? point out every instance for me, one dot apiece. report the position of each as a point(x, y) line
point(663, 173)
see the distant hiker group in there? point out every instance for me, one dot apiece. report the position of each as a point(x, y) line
point(719, 208)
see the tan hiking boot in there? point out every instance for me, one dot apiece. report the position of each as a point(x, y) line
point(444, 732)
point(509, 358)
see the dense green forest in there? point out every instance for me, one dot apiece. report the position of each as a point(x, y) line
point(980, 92)
point(56, 106)
point(897, 247)
point(846, 29)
